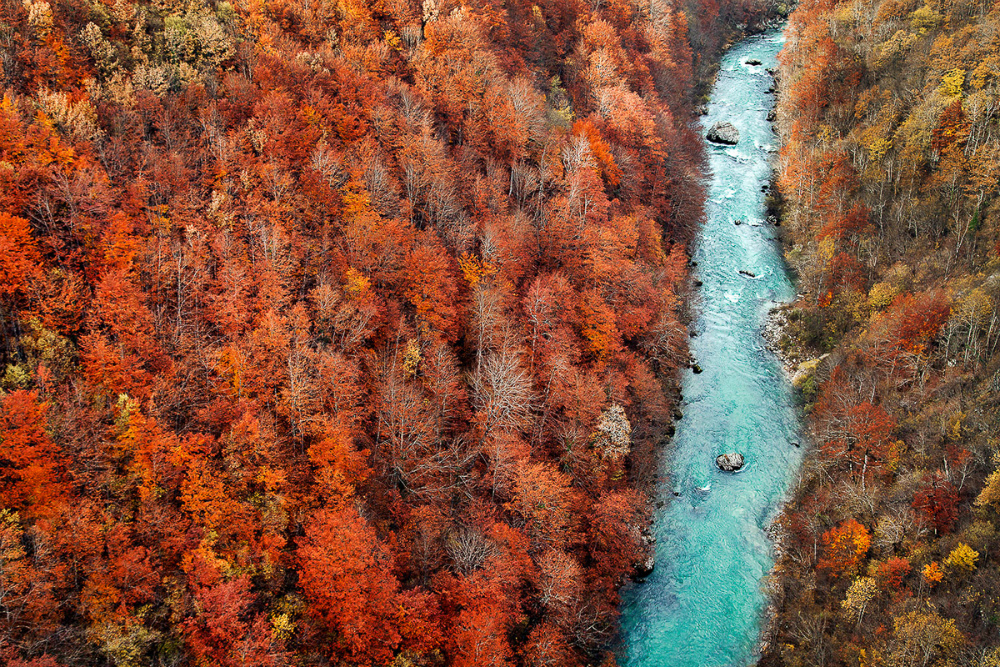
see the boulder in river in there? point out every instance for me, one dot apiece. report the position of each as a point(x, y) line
point(644, 567)
point(723, 133)
point(753, 61)
point(772, 115)
point(730, 462)
point(748, 274)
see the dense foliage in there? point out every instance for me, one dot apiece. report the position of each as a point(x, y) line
point(338, 331)
point(889, 112)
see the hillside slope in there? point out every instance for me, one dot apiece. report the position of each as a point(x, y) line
point(889, 173)
point(337, 332)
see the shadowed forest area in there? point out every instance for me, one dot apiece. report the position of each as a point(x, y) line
point(889, 172)
point(344, 332)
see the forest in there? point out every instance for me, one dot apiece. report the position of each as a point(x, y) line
point(346, 332)
point(888, 177)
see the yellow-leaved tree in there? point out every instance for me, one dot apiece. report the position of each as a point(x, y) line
point(962, 558)
point(861, 592)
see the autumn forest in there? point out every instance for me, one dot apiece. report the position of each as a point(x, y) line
point(348, 332)
point(889, 171)
point(339, 332)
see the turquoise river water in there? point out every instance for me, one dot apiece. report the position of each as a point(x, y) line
point(703, 605)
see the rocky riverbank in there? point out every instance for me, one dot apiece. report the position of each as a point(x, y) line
point(777, 340)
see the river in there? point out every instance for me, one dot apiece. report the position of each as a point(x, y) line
point(704, 603)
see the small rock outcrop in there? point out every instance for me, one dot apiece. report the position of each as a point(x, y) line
point(645, 567)
point(730, 462)
point(772, 115)
point(723, 133)
point(753, 61)
point(748, 274)
point(805, 370)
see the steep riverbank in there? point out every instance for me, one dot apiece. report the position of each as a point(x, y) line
point(704, 605)
point(891, 204)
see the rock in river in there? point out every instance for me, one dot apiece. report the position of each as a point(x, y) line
point(723, 133)
point(730, 462)
point(644, 567)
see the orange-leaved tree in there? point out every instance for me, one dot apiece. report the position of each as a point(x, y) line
point(843, 548)
point(346, 574)
point(19, 256)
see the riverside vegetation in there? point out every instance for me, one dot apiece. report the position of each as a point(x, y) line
point(889, 174)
